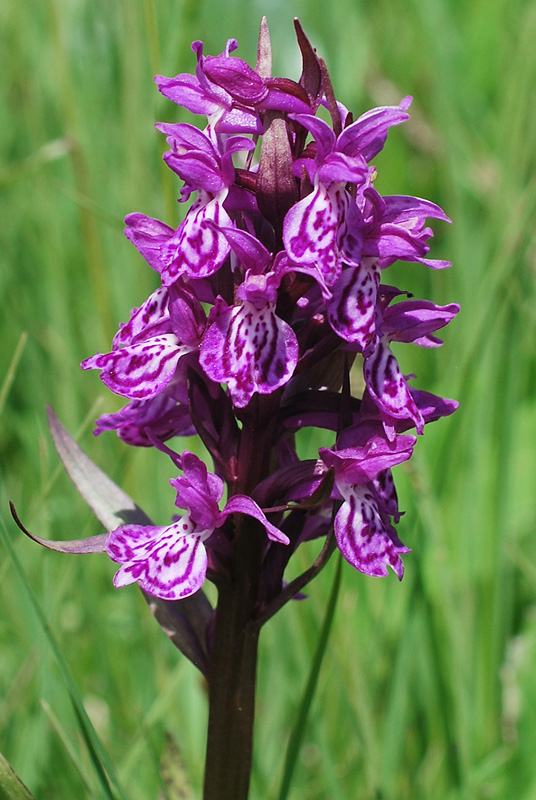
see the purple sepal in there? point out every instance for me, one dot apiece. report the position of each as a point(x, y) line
point(163, 416)
point(241, 504)
point(395, 229)
point(251, 253)
point(414, 320)
point(366, 136)
point(148, 235)
point(187, 91)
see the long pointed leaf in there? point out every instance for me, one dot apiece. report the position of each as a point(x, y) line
point(183, 621)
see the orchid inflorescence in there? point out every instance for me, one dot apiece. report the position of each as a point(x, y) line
point(272, 288)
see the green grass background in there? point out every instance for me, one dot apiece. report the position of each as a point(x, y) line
point(428, 688)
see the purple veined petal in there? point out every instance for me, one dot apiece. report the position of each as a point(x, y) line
point(386, 495)
point(388, 388)
point(250, 349)
point(320, 131)
point(366, 136)
point(360, 465)
point(251, 253)
point(236, 78)
point(310, 233)
point(185, 138)
point(403, 209)
point(198, 170)
point(414, 321)
point(395, 242)
point(361, 536)
point(187, 91)
point(142, 370)
point(170, 563)
point(198, 249)
point(351, 230)
point(151, 313)
point(352, 310)
point(242, 504)
point(148, 235)
point(162, 415)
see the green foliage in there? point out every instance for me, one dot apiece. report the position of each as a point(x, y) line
point(427, 687)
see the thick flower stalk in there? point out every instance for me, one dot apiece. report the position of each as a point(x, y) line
point(272, 288)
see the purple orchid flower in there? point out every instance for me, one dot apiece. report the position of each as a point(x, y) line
point(325, 227)
point(407, 321)
point(148, 348)
point(248, 346)
point(364, 533)
point(171, 562)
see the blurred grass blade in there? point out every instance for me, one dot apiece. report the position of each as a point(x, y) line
point(11, 786)
point(68, 745)
point(176, 785)
point(11, 370)
point(50, 151)
point(296, 738)
point(101, 763)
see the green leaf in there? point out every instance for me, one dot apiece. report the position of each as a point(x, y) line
point(11, 786)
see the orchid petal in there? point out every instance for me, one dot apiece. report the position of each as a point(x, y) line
point(361, 535)
point(141, 370)
point(169, 563)
point(352, 309)
point(389, 389)
point(198, 249)
point(250, 349)
point(310, 233)
point(242, 504)
point(148, 315)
